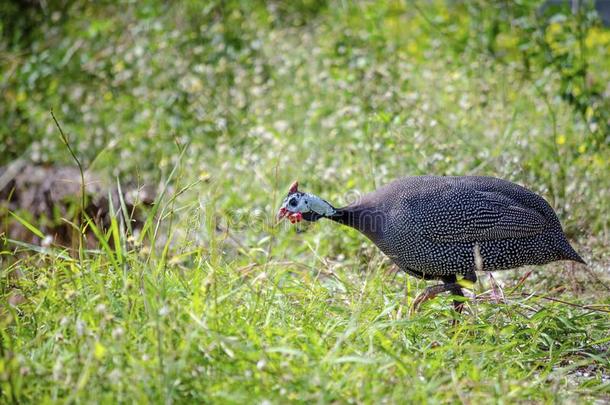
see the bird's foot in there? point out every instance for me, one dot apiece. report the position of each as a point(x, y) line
point(420, 299)
point(432, 292)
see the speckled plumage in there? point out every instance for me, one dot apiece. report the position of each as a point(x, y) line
point(429, 225)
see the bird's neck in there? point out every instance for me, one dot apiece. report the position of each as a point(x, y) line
point(345, 216)
point(369, 222)
point(362, 217)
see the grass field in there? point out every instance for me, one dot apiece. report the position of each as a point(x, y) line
point(223, 104)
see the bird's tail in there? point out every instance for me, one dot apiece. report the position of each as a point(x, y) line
point(567, 252)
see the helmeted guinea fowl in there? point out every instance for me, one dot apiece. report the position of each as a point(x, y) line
point(437, 228)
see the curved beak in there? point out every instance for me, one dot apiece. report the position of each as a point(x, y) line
point(294, 217)
point(282, 213)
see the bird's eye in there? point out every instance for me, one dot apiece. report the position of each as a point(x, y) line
point(293, 202)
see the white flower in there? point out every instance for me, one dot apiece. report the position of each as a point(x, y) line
point(164, 311)
point(100, 309)
point(47, 241)
point(80, 327)
point(118, 332)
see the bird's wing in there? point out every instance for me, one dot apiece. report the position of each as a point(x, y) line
point(468, 216)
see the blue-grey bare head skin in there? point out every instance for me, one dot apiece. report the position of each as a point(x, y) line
point(304, 203)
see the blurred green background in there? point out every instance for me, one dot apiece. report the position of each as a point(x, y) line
point(342, 96)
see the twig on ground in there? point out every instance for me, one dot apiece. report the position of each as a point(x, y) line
point(64, 138)
point(596, 277)
point(587, 307)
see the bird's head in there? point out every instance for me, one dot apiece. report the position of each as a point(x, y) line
point(298, 206)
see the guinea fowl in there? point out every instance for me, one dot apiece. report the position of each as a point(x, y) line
point(436, 228)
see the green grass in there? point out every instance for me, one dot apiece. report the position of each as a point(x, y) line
point(210, 330)
point(226, 105)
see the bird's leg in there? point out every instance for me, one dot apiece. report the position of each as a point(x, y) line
point(450, 284)
point(457, 291)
